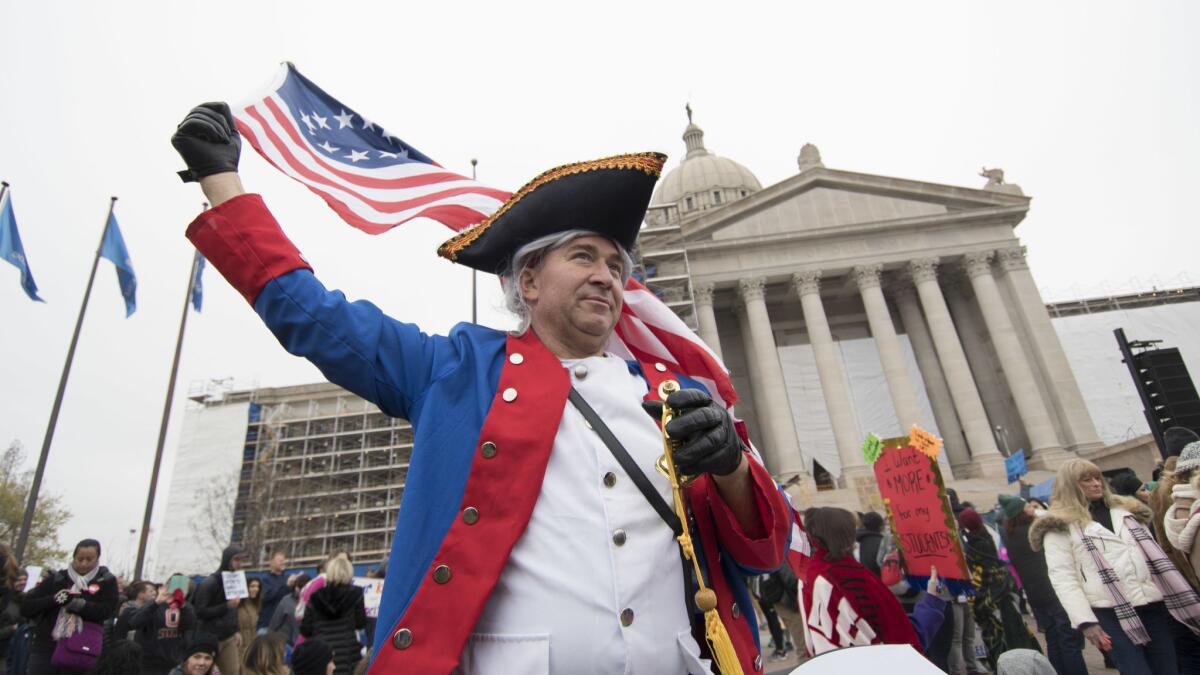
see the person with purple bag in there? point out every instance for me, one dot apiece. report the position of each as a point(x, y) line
point(68, 608)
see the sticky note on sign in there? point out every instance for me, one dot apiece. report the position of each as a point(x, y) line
point(928, 444)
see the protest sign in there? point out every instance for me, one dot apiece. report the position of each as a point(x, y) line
point(372, 594)
point(1014, 466)
point(235, 585)
point(914, 495)
point(35, 577)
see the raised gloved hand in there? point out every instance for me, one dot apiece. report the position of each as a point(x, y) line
point(75, 606)
point(706, 439)
point(208, 141)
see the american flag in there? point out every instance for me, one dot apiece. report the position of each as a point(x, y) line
point(375, 181)
point(370, 177)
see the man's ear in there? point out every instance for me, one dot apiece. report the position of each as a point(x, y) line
point(527, 285)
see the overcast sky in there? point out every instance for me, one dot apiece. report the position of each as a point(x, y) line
point(1091, 107)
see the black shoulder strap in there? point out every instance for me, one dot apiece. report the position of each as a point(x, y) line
point(639, 479)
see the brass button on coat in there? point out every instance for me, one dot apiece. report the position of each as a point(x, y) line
point(470, 515)
point(509, 395)
point(626, 617)
point(619, 537)
point(516, 358)
point(581, 371)
point(441, 574)
point(488, 450)
point(610, 479)
point(660, 367)
point(402, 639)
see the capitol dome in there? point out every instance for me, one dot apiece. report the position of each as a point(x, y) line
point(703, 180)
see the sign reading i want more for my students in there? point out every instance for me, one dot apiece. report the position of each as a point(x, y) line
point(918, 511)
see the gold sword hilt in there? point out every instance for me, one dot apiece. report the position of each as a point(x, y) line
point(666, 464)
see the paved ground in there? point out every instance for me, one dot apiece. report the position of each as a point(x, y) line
point(1095, 662)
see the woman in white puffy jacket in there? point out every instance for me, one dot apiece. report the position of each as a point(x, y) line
point(1082, 506)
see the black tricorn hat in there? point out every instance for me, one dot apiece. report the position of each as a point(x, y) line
point(607, 196)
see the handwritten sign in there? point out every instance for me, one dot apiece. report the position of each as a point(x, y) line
point(372, 594)
point(927, 443)
point(235, 585)
point(914, 495)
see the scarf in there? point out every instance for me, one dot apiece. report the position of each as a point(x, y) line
point(1180, 598)
point(68, 624)
point(844, 604)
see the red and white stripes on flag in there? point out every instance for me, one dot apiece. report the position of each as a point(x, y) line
point(384, 184)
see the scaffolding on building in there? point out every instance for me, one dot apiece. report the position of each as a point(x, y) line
point(321, 477)
point(661, 262)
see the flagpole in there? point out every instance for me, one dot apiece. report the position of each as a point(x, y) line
point(474, 280)
point(31, 504)
point(3, 189)
point(162, 428)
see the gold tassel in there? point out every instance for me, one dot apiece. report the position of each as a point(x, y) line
point(719, 642)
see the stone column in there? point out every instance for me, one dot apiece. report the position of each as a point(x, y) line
point(940, 400)
point(754, 373)
point(706, 319)
point(904, 398)
point(832, 374)
point(1065, 396)
point(1033, 411)
point(774, 412)
point(984, 456)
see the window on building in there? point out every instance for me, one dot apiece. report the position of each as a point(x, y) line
point(687, 204)
point(743, 193)
point(716, 197)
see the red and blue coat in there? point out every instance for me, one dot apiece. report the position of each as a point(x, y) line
point(484, 406)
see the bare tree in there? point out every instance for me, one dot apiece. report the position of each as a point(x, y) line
point(42, 547)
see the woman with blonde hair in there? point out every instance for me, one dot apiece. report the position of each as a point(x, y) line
point(1113, 579)
point(335, 613)
point(265, 656)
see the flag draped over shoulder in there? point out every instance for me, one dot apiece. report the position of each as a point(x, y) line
point(370, 177)
point(11, 248)
point(113, 248)
point(375, 181)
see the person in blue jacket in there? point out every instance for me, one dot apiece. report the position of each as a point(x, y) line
point(522, 544)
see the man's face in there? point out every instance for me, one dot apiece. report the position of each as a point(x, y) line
point(575, 295)
point(238, 562)
point(198, 664)
point(278, 563)
point(147, 594)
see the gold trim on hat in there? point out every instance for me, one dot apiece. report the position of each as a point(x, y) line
point(649, 162)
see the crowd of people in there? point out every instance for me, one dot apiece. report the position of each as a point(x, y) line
point(85, 619)
point(1109, 562)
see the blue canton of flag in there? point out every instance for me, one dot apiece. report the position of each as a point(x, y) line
point(197, 284)
point(370, 177)
point(11, 248)
point(114, 249)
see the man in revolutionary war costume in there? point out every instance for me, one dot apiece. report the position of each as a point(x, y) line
point(534, 535)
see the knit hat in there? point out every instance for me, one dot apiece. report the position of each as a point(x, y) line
point(970, 520)
point(1023, 662)
point(201, 644)
point(1189, 458)
point(1011, 506)
point(1126, 484)
point(311, 657)
point(1177, 438)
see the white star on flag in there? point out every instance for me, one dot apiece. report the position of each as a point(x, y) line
point(321, 121)
point(368, 124)
point(328, 148)
point(343, 119)
point(388, 155)
point(355, 155)
point(308, 123)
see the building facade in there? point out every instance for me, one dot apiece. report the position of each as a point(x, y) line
point(829, 255)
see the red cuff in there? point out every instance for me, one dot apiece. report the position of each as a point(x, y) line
point(242, 240)
point(766, 553)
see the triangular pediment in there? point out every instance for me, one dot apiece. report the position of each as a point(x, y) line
point(828, 200)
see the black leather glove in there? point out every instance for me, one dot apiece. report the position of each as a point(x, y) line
point(208, 141)
point(706, 439)
point(75, 606)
